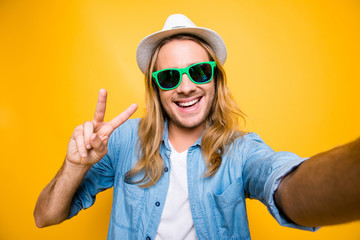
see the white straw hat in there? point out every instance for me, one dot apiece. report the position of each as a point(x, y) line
point(178, 24)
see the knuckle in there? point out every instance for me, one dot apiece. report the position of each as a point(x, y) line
point(78, 128)
point(88, 123)
point(79, 137)
point(88, 129)
point(96, 142)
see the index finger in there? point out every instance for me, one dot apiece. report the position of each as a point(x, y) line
point(124, 116)
point(100, 106)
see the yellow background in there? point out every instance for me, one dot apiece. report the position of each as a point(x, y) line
point(293, 66)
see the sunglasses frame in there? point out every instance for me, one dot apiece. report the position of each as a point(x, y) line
point(182, 71)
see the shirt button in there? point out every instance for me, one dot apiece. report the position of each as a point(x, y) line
point(157, 204)
point(148, 238)
point(166, 169)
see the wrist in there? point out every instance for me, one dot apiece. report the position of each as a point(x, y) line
point(76, 168)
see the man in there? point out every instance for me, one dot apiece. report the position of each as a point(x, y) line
point(184, 170)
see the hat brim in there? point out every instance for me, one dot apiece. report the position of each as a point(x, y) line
point(147, 45)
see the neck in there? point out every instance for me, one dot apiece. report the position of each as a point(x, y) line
point(182, 138)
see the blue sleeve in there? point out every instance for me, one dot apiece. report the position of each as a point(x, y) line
point(263, 171)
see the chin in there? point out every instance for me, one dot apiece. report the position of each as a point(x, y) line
point(190, 124)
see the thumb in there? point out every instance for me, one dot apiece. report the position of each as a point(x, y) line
point(99, 148)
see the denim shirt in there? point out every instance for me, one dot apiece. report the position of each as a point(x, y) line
point(249, 168)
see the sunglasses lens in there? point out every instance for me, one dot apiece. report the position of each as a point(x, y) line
point(168, 78)
point(201, 72)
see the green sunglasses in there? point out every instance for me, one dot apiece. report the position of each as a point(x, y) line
point(170, 78)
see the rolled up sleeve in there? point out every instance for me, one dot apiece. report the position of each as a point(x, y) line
point(262, 173)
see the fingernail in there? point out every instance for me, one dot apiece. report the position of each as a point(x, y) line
point(83, 154)
point(88, 146)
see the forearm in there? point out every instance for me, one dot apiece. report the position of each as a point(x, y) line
point(324, 190)
point(53, 204)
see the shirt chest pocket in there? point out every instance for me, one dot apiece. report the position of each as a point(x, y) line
point(229, 212)
point(128, 206)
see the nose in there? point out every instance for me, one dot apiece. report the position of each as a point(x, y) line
point(186, 86)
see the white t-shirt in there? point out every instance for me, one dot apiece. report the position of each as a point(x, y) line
point(176, 220)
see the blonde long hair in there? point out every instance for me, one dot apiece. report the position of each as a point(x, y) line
point(223, 123)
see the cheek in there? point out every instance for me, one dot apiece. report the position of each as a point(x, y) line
point(212, 96)
point(165, 98)
point(211, 89)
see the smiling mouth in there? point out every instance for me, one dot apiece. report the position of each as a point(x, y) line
point(189, 103)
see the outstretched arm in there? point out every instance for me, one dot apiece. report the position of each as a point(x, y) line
point(323, 190)
point(87, 146)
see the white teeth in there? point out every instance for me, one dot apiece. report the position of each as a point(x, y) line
point(187, 104)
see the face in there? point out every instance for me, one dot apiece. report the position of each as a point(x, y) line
point(189, 104)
